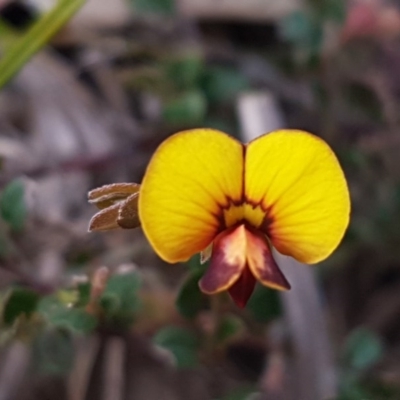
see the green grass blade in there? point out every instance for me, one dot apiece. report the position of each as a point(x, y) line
point(23, 48)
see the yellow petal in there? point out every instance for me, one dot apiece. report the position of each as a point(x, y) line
point(191, 177)
point(298, 181)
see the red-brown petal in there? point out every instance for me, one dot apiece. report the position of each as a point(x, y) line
point(262, 264)
point(227, 263)
point(242, 289)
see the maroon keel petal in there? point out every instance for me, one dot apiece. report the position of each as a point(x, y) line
point(239, 258)
point(262, 264)
point(243, 288)
point(227, 263)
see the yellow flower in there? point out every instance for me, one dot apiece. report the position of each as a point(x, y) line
point(203, 188)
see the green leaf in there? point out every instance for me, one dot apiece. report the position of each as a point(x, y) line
point(7, 247)
point(303, 31)
point(163, 7)
point(123, 289)
point(334, 10)
point(362, 99)
point(185, 72)
point(59, 315)
point(119, 299)
point(187, 109)
point(363, 348)
point(20, 301)
point(12, 204)
point(222, 84)
point(351, 387)
point(195, 265)
point(181, 343)
point(83, 294)
point(355, 158)
point(229, 327)
point(241, 393)
point(190, 299)
point(75, 320)
point(23, 48)
point(4, 245)
point(265, 304)
point(54, 352)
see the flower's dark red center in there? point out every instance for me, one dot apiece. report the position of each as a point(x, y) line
point(243, 288)
point(240, 256)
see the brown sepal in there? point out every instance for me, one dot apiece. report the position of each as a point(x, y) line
point(128, 217)
point(105, 219)
point(118, 203)
point(108, 195)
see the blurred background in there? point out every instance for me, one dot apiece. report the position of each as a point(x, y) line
point(88, 91)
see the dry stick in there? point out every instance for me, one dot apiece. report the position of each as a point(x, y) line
point(314, 370)
point(86, 350)
point(14, 369)
point(113, 372)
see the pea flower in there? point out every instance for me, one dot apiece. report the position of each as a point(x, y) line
point(205, 192)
